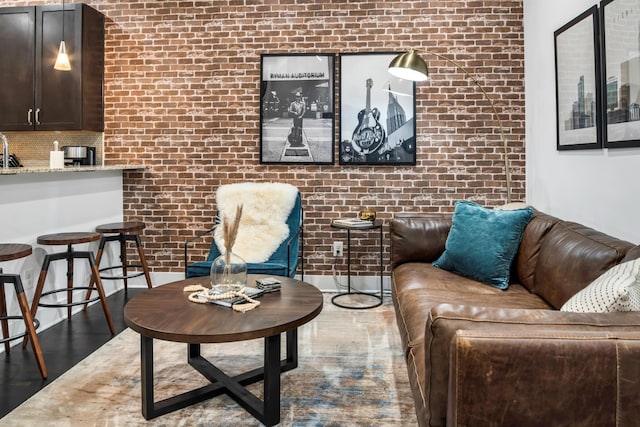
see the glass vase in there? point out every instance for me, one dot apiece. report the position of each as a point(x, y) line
point(228, 273)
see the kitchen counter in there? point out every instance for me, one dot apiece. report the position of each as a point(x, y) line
point(47, 169)
point(35, 202)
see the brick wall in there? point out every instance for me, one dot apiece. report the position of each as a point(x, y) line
point(182, 97)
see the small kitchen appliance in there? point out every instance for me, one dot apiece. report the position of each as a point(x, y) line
point(79, 155)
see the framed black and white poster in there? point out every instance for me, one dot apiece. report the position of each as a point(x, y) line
point(297, 109)
point(578, 111)
point(377, 112)
point(621, 59)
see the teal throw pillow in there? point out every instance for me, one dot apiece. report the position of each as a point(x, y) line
point(482, 243)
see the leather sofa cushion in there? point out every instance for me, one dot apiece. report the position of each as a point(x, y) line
point(418, 238)
point(632, 254)
point(415, 300)
point(571, 257)
point(527, 257)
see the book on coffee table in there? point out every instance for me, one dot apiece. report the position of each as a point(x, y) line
point(269, 284)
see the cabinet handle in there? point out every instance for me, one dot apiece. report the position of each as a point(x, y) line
point(37, 116)
point(29, 116)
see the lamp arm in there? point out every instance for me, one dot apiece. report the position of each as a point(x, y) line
point(495, 113)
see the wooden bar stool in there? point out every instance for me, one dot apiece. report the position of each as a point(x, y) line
point(123, 232)
point(10, 252)
point(70, 239)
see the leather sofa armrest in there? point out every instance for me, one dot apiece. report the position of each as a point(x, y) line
point(543, 377)
point(418, 238)
point(449, 354)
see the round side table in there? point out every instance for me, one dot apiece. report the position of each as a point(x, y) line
point(378, 298)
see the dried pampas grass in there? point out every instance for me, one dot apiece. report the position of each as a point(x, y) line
point(230, 231)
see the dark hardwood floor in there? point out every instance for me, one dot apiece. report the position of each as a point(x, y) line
point(63, 346)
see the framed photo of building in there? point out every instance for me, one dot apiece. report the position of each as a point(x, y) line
point(578, 88)
point(621, 68)
point(297, 120)
point(377, 112)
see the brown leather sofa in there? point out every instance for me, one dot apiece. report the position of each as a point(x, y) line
point(480, 356)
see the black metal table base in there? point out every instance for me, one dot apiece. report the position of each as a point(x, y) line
point(266, 411)
point(378, 300)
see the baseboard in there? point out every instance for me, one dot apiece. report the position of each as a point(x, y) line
point(340, 283)
point(323, 283)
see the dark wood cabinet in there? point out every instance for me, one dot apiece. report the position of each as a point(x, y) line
point(35, 96)
point(17, 67)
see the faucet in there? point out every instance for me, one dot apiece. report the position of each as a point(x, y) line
point(5, 151)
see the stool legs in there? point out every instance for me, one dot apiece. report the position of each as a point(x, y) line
point(69, 285)
point(5, 322)
point(103, 297)
point(30, 329)
point(70, 255)
point(122, 239)
point(39, 286)
point(92, 280)
point(143, 261)
point(123, 260)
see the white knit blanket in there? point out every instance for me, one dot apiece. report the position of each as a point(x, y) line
point(265, 209)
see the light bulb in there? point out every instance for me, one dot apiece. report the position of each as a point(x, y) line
point(62, 61)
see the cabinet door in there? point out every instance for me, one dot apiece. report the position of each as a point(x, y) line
point(58, 94)
point(17, 26)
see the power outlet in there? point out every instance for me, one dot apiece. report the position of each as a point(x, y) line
point(28, 282)
point(337, 249)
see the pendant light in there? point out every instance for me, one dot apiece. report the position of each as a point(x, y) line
point(62, 61)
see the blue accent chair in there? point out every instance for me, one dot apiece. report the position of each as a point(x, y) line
point(283, 262)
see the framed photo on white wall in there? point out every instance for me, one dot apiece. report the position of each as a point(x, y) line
point(621, 68)
point(578, 88)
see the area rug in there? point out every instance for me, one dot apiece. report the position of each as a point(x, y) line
point(351, 373)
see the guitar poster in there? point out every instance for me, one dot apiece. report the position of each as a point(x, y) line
point(377, 112)
point(297, 114)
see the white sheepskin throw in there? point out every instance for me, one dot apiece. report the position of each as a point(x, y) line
point(263, 226)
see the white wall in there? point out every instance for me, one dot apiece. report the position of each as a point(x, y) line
point(44, 203)
point(597, 188)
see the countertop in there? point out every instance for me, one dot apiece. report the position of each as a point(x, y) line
point(46, 169)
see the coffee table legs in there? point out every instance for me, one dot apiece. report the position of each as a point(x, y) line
point(267, 411)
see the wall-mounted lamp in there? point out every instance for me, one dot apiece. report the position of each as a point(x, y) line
point(410, 66)
point(62, 60)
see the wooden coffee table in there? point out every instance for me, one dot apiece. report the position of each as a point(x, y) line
point(165, 313)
